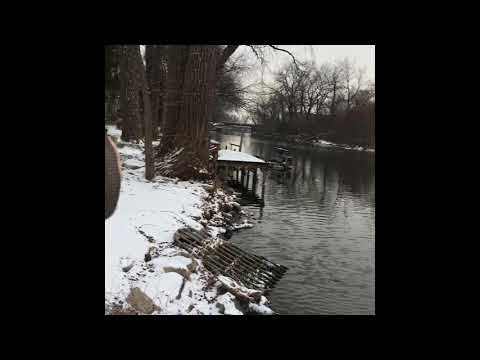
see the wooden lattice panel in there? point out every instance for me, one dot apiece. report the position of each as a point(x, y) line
point(224, 258)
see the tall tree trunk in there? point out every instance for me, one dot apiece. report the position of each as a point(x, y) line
point(334, 100)
point(147, 116)
point(156, 70)
point(135, 103)
point(177, 58)
point(198, 96)
point(149, 159)
point(129, 94)
point(190, 94)
point(348, 94)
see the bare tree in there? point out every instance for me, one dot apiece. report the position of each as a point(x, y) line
point(230, 93)
point(156, 71)
point(333, 74)
point(307, 94)
point(112, 85)
point(352, 79)
point(191, 83)
point(135, 104)
point(147, 116)
point(192, 75)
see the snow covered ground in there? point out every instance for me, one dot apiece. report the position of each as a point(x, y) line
point(142, 265)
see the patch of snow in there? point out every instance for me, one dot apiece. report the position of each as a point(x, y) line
point(175, 261)
point(130, 152)
point(260, 309)
point(244, 225)
point(113, 131)
point(133, 164)
point(228, 301)
point(147, 216)
point(163, 287)
point(325, 143)
point(230, 155)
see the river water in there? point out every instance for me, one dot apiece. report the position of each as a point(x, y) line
point(319, 221)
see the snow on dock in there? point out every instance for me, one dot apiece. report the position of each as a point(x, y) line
point(237, 156)
point(237, 166)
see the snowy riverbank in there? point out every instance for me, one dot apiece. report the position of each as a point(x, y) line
point(304, 139)
point(328, 144)
point(145, 273)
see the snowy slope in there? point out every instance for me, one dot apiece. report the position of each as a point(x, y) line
point(147, 216)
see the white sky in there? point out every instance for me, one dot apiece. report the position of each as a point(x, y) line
point(362, 55)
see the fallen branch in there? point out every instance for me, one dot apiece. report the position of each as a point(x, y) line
point(181, 289)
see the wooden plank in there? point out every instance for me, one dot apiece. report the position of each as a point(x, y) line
point(248, 263)
point(251, 270)
point(261, 260)
point(245, 268)
point(242, 163)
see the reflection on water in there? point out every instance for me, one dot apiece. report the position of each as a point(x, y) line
point(318, 220)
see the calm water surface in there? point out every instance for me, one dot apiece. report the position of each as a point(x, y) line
point(319, 221)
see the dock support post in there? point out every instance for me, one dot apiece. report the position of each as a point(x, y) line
point(254, 181)
point(248, 179)
point(264, 176)
point(242, 179)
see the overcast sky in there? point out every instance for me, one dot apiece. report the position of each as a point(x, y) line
point(362, 55)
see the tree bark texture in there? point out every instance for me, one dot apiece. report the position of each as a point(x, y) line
point(129, 94)
point(147, 116)
point(191, 86)
point(156, 70)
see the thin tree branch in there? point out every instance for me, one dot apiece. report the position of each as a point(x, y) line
point(226, 53)
point(255, 52)
point(285, 51)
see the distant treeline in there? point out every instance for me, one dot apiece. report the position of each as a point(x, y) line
point(332, 102)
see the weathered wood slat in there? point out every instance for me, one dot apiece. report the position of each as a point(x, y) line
point(222, 250)
point(266, 276)
point(248, 264)
point(191, 235)
point(236, 267)
point(250, 270)
point(260, 261)
point(222, 266)
point(229, 270)
point(210, 262)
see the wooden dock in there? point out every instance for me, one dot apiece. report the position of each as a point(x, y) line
point(223, 258)
point(242, 171)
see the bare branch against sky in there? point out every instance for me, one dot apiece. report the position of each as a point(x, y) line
point(362, 55)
